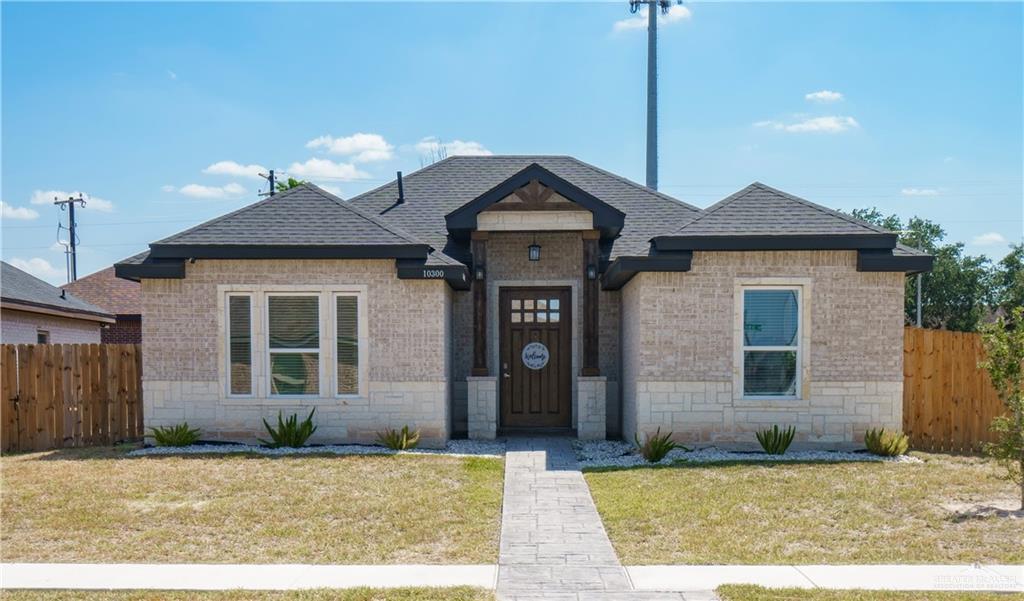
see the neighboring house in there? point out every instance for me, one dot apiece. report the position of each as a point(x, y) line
point(34, 312)
point(122, 298)
point(483, 295)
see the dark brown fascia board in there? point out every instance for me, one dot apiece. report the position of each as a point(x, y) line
point(280, 251)
point(457, 276)
point(874, 260)
point(783, 242)
point(166, 269)
point(622, 269)
point(607, 218)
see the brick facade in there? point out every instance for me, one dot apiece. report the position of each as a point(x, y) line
point(407, 358)
point(126, 330)
point(680, 360)
point(22, 327)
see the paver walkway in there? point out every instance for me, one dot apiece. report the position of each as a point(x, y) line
point(553, 544)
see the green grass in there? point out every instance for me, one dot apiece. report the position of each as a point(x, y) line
point(839, 513)
point(360, 594)
point(98, 505)
point(757, 593)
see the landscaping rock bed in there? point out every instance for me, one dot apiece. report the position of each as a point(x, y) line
point(614, 453)
point(454, 448)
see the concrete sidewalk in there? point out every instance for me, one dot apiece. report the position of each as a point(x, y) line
point(1009, 578)
point(235, 576)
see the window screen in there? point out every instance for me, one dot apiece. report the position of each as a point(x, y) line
point(348, 344)
point(294, 344)
point(240, 344)
point(771, 329)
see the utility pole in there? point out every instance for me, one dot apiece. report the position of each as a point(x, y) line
point(273, 183)
point(654, 7)
point(72, 226)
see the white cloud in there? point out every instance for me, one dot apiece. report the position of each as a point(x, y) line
point(40, 268)
point(362, 148)
point(45, 197)
point(676, 13)
point(919, 192)
point(235, 169)
point(325, 169)
point(827, 125)
point(201, 191)
point(168, 188)
point(989, 239)
point(21, 213)
point(431, 145)
point(824, 96)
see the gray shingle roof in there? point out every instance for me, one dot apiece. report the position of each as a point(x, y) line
point(22, 288)
point(305, 215)
point(436, 190)
point(760, 210)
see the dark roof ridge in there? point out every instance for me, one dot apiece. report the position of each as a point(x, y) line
point(230, 214)
point(823, 209)
point(630, 182)
point(718, 205)
point(379, 223)
point(406, 176)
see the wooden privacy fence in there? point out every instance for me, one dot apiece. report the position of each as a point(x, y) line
point(69, 395)
point(948, 401)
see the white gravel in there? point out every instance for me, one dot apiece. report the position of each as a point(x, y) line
point(454, 448)
point(613, 453)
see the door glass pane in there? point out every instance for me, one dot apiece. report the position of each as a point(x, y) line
point(516, 317)
point(294, 322)
point(542, 317)
point(528, 317)
point(553, 304)
point(294, 373)
point(770, 317)
point(516, 304)
point(240, 344)
point(769, 373)
point(528, 303)
point(348, 344)
point(554, 317)
point(542, 303)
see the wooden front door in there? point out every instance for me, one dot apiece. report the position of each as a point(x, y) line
point(535, 366)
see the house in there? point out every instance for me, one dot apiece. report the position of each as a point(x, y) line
point(482, 295)
point(34, 312)
point(121, 297)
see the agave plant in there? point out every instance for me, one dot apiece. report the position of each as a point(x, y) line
point(775, 441)
point(175, 436)
point(657, 446)
point(399, 440)
point(886, 444)
point(289, 432)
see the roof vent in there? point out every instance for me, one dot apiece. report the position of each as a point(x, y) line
point(63, 293)
point(401, 191)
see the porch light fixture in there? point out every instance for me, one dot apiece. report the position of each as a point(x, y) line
point(478, 272)
point(591, 272)
point(534, 250)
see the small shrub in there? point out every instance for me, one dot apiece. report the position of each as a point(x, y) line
point(289, 432)
point(399, 440)
point(886, 444)
point(775, 441)
point(176, 436)
point(657, 446)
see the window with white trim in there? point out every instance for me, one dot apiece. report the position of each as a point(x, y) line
point(293, 344)
point(771, 341)
point(239, 335)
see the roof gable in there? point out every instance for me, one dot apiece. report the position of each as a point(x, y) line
point(606, 217)
point(760, 217)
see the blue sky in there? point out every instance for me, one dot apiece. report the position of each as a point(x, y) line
point(157, 111)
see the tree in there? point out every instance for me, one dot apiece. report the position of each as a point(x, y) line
point(1004, 349)
point(1009, 280)
point(957, 292)
point(288, 185)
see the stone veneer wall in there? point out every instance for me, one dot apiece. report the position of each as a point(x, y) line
point(680, 368)
point(407, 352)
point(20, 327)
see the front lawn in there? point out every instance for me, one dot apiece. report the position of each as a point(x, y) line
point(98, 505)
point(360, 594)
point(757, 593)
point(843, 513)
